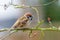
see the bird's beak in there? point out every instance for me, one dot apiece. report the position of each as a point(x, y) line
point(31, 17)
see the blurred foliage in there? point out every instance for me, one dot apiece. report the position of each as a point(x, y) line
point(52, 10)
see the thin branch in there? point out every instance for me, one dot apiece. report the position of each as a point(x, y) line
point(40, 5)
point(28, 29)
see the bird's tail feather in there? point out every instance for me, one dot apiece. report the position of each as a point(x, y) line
point(5, 36)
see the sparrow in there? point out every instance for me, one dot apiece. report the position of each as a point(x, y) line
point(20, 23)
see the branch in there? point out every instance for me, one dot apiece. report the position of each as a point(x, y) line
point(28, 29)
point(45, 4)
point(53, 28)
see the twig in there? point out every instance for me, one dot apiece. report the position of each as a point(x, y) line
point(45, 4)
point(27, 29)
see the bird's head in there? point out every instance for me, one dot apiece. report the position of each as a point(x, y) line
point(29, 15)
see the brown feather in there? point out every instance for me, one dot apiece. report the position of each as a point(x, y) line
point(20, 22)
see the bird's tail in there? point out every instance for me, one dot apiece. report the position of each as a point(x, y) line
point(8, 34)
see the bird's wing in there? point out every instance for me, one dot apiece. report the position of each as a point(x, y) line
point(19, 22)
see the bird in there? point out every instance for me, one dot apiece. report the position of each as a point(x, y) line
point(20, 23)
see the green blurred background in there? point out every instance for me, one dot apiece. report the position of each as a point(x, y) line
point(53, 10)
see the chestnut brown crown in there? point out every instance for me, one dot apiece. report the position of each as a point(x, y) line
point(29, 15)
